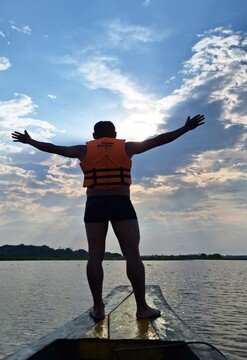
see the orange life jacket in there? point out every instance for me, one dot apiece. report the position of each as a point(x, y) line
point(106, 164)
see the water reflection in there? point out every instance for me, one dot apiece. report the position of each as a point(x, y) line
point(211, 297)
point(37, 297)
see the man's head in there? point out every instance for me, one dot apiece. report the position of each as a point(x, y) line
point(104, 129)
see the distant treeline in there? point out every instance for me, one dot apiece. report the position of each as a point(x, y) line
point(32, 252)
point(185, 257)
point(201, 256)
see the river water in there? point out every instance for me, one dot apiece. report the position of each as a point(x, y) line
point(39, 296)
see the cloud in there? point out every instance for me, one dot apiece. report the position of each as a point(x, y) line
point(139, 106)
point(125, 35)
point(5, 63)
point(45, 198)
point(215, 74)
point(21, 106)
point(62, 175)
point(207, 195)
point(101, 72)
point(31, 182)
point(2, 34)
point(211, 169)
point(52, 97)
point(39, 191)
point(33, 187)
point(55, 175)
point(48, 177)
point(17, 114)
point(146, 2)
point(200, 183)
point(7, 148)
point(213, 78)
point(19, 172)
point(217, 168)
point(219, 62)
point(25, 29)
point(194, 184)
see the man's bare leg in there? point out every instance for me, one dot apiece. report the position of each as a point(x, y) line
point(128, 236)
point(96, 235)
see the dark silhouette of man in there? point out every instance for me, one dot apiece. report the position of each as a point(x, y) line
point(106, 164)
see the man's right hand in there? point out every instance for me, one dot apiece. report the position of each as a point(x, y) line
point(193, 123)
point(19, 137)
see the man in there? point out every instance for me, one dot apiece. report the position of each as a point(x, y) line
point(106, 163)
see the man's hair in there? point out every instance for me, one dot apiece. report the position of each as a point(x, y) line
point(104, 129)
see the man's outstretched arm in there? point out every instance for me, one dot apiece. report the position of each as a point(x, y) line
point(77, 151)
point(134, 147)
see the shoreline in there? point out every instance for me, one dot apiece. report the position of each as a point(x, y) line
point(109, 258)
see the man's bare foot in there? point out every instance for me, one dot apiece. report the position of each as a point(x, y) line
point(97, 314)
point(147, 312)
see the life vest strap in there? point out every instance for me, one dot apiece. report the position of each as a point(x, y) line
point(106, 169)
point(94, 175)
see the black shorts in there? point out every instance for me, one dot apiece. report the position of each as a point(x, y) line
point(109, 208)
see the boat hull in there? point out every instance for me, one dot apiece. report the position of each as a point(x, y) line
point(120, 336)
point(102, 349)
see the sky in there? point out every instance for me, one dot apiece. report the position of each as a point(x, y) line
point(145, 65)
